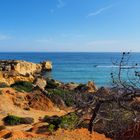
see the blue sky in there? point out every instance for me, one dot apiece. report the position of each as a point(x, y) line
point(69, 25)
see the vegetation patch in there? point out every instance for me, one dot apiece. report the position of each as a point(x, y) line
point(27, 120)
point(15, 120)
point(54, 120)
point(3, 85)
point(22, 86)
point(69, 121)
point(51, 128)
point(51, 83)
point(113, 119)
point(66, 95)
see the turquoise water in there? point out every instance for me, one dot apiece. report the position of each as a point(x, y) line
point(76, 67)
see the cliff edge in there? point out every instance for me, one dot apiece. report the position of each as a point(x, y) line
point(18, 70)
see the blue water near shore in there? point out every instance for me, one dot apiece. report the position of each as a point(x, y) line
point(76, 67)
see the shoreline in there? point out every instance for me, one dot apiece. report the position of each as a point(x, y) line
point(33, 106)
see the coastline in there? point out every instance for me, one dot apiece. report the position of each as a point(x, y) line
point(41, 106)
point(35, 100)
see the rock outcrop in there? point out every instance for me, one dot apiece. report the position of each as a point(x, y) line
point(46, 65)
point(90, 87)
point(24, 67)
point(18, 70)
point(40, 82)
point(23, 103)
point(39, 101)
point(11, 77)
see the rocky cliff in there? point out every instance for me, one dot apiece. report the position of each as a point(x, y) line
point(18, 70)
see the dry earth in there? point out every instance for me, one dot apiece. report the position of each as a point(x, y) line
point(13, 102)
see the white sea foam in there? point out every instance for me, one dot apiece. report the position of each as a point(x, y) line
point(112, 66)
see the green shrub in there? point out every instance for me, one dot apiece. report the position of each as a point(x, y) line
point(23, 86)
point(51, 128)
point(15, 120)
point(69, 121)
point(27, 120)
point(66, 95)
point(51, 83)
point(46, 118)
point(3, 85)
point(84, 124)
point(55, 120)
point(12, 120)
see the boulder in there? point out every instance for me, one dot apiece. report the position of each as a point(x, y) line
point(24, 68)
point(51, 83)
point(46, 65)
point(40, 82)
point(90, 87)
point(70, 86)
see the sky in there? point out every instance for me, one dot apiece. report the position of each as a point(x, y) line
point(69, 25)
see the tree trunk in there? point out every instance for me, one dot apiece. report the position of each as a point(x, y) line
point(95, 112)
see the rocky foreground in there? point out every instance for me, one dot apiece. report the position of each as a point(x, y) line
point(36, 107)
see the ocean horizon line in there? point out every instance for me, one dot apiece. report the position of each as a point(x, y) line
point(67, 52)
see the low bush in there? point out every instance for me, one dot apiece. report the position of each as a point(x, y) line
point(66, 95)
point(69, 121)
point(113, 118)
point(51, 83)
point(23, 86)
point(27, 120)
point(3, 85)
point(51, 128)
point(55, 120)
point(12, 120)
point(15, 120)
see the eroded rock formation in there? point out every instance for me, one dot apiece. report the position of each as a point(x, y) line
point(18, 70)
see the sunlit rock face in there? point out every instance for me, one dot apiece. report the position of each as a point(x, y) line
point(90, 87)
point(18, 70)
point(46, 65)
point(23, 67)
point(11, 77)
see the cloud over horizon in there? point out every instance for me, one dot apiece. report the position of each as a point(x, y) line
point(99, 11)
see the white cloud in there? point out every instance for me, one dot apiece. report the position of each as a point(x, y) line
point(60, 4)
point(4, 37)
point(99, 11)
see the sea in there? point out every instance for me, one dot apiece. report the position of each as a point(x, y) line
point(76, 67)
